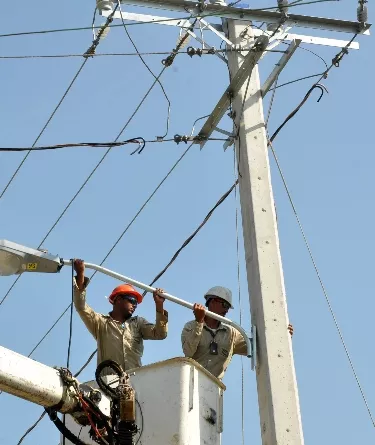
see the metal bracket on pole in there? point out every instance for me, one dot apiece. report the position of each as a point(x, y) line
point(286, 36)
point(280, 66)
point(238, 80)
point(143, 18)
point(253, 340)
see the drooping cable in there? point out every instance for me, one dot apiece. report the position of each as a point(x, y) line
point(139, 140)
point(150, 71)
point(109, 19)
point(192, 236)
point(203, 52)
point(15, 173)
point(144, 205)
point(70, 333)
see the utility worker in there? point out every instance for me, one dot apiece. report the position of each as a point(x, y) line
point(119, 335)
point(210, 342)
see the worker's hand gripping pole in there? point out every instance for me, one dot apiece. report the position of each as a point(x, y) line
point(167, 297)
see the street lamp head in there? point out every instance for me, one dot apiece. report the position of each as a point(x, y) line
point(16, 259)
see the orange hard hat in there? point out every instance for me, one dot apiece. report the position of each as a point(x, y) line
point(125, 289)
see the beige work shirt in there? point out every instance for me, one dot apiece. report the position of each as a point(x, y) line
point(197, 337)
point(121, 342)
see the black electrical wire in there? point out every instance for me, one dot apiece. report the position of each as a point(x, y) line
point(43, 129)
point(144, 205)
point(116, 368)
point(70, 322)
point(70, 335)
point(335, 62)
point(142, 419)
point(296, 80)
point(156, 53)
point(192, 236)
point(63, 429)
point(60, 425)
point(139, 140)
point(109, 19)
point(149, 70)
point(28, 431)
point(86, 363)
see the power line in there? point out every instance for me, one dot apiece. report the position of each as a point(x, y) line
point(192, 236)
point(34, 425)
point(140, 141)
point(70, 322)
point(44, 128)
point(149, 70)
point(205, 51)
point(94, 44)
point(296, 80)
point(144, 205)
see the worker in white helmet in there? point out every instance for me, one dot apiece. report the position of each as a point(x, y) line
point(210, 342)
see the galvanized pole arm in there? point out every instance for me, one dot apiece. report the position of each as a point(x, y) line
point(232, 12)
point(235, 85)
point(169, 297)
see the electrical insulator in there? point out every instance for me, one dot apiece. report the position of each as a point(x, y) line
point(362, 15)
point(283, 6)
point(104, 5)
point(105, 31)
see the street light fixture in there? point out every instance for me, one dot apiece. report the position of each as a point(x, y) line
point(16, 259)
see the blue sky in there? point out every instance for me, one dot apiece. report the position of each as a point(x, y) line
point(327, 154)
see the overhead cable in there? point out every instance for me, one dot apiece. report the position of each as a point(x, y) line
point(202, 52)
point(144, 205)
point(193, 235)
point(43, 129)
point(139, 140)
point(335, 63)
point(150, 71)
point(109, 19)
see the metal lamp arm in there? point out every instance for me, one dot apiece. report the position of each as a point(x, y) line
point(167, 297)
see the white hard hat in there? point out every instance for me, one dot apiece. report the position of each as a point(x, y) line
point(220, 292)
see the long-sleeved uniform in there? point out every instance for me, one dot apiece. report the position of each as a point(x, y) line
point(197, 337)
point(121, 342)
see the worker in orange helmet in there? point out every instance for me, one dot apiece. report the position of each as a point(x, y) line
point(119, 335)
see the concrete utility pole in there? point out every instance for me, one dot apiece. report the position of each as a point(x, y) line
point(279, 408)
